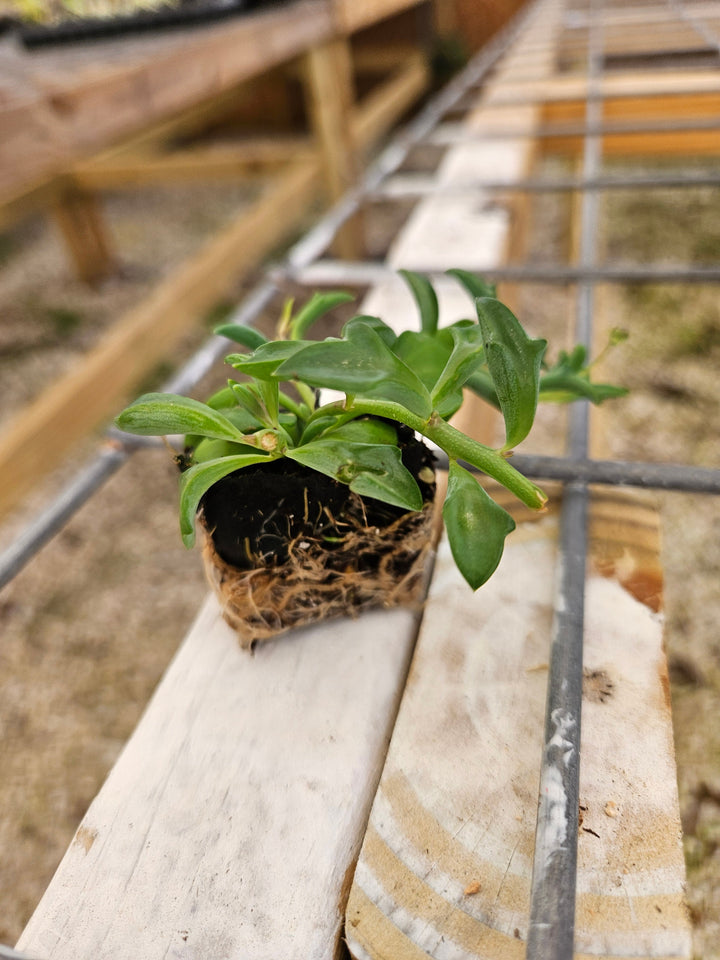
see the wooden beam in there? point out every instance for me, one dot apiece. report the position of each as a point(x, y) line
point(385, 105)
point(92, 392)
point(79, 218)
point(226, 161)
point(331, 96)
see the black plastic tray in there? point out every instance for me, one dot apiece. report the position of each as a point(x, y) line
point(188, 13)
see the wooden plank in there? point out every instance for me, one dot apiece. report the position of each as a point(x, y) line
point(677, 143)
point(230, 825)
point(446, 865)
point(631, 84)
point(66, 110)
point(93, 391)
point(217, 161)
point(350, 16)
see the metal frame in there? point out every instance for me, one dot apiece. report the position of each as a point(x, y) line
point(551, 931)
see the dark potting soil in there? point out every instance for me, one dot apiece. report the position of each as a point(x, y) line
point(253, 515)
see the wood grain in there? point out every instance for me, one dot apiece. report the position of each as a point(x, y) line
point(446, 865)
point(232, 820)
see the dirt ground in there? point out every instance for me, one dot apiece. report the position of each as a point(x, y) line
point(89, 626)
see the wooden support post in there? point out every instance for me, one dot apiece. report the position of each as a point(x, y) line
point(77, 214)
point(330, 94)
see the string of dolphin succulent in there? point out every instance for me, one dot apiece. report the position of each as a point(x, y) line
point(416, 378)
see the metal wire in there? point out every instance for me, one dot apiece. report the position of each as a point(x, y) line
point(421, 186)
point(365, 273)
point(551, 933)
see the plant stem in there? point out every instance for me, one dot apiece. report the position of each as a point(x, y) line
point(458, 447)
point(300, 412)
point(307, 393)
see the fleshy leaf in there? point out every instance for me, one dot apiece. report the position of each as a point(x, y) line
point(425, 354)
point(268, 356)
point(210, 449)
point(198, 479)
point(476, 526)
point(386, 333)
point(247, 399)
point(318, 305)
point(160, 414)
point(239, 333)
point(371, 470)
point(482, 384)
point(361, 365)
point(365, 430)
point(467, 355)
point(475, 285)
point(425, 297)
point(514, 361)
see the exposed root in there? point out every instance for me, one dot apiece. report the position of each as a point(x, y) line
point(367, 568)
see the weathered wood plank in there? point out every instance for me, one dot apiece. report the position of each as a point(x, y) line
point(217, 161)
point(230, 824)
point(446, 865)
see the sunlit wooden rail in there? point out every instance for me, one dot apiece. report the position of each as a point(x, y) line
point(258, 811)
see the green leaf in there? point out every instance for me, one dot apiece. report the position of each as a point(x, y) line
point(467, 355)
point(318, 305)
point(476, 526)
point(364, 430)
point(248, 400)
point(386, 333)
point(247, 336)
point(425, 354)
point(475, 285)
point(514, 362)
point(269, 392)
point(210, 449)
point(482, 384)
point(198, 479)
point(263, 362)
point(159, 414)
point(361, 365)
point(425, 297)
point(565, 388)
point(371, 470)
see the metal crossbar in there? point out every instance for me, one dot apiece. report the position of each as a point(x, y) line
point(551, 932)
point(360, 274)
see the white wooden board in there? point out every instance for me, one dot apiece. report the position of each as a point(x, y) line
point(230, 825)
point(446, 865)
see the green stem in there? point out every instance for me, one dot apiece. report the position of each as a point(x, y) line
point(307, 393)
point(300, 412)
point(458, 447)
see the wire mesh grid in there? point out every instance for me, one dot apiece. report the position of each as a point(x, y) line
point(551, 931)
